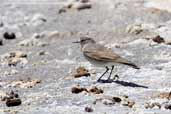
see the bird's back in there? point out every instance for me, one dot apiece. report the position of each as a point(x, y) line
point(98, 52)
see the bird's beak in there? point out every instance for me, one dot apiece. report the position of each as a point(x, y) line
point(76, 42)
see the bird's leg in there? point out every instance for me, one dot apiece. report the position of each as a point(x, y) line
point(111, 72)
point(107, 69)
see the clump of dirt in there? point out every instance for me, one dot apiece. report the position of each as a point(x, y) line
point(93, 90)
point(80, 72)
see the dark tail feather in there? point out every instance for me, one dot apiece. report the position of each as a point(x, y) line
point(132, 65)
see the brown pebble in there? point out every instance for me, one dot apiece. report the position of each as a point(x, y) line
point(13, 102)
point(88, 109)
point(78, 89)
point(95, 90)
point(158, 39)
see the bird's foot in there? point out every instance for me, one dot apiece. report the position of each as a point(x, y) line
point(115, 78)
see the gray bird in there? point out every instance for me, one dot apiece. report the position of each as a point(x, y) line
point(99, 55)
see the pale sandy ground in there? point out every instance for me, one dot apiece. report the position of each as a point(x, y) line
point(127, 24)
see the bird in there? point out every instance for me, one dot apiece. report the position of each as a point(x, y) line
point(99, 55)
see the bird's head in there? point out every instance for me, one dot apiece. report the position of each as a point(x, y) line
point(85, 40)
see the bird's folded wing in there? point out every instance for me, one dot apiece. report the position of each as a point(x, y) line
point(108, 56)
point(102, 55)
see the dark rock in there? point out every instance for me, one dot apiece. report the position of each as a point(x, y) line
point(9, 36)
point(88, 109)
point(12, 99)
point(78, 89)
point(158, 39)
point(117, 99)
point(168, 106)
point(13, 102)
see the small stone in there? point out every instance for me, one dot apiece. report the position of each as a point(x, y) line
point(78, 89)
point(168, 106)
point(13, 102)
point(12, 99)
point(88, 109)
point(117, 99)
point(158, 39)
point(62, 10)
point(95, 90)
point(42, 53)
point(9, 36)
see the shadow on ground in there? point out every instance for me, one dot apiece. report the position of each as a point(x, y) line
point(124, 83)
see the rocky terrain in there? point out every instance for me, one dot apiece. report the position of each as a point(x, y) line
point(43, 72)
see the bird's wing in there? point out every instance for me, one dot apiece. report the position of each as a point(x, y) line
point(101, 54)
point(105, 54)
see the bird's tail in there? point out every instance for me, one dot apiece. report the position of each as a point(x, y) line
point(132, 65)
point(126, 62)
